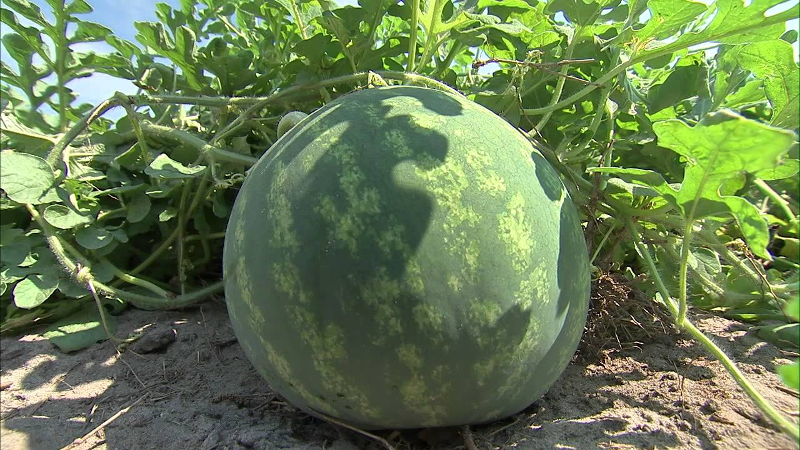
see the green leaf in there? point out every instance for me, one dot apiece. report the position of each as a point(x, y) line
point(29, 11)
point(30, 34)
point(182, 52)
point(787, 168)
point(14, 253)
point(164, 167)
point(78, 7)
point(120, 235)
point(89, 32)
point(138, 208)
point(63, 217)
point(684, 82)
point(749, 94)
point(516, 5)
point(27, 178)
point(732, 23)
point(126, 48)
point(668, 17)
point(722, 147)
point(792, 308)
point(773, 62)
point(14, 130)
point(790, 374)
point(80, 330)
point(578, 12)
point(167, 214)
point(34, 290)
point(784, 335)
point(93, 237)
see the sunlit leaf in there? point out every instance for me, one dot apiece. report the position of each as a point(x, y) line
point(63, 217)
point(722, 147)
point(27, 178)
point(166, 168)
point(773, 62)
point(34, 290)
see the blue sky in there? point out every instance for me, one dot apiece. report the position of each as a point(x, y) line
point(119, 15)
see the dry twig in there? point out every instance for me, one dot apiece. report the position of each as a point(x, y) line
point(469, 442)
point(97, 429)
point(357, 430)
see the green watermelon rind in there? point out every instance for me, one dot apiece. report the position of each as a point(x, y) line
point(405, 258)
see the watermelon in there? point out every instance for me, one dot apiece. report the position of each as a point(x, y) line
point(404, 258)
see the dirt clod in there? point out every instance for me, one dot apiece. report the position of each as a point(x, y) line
point(155, 340)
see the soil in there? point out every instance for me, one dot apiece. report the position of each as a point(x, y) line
point(186, 384)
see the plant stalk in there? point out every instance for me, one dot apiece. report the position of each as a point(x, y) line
point(765, 406)
point(412, 38)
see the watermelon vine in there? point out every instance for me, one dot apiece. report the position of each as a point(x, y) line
point(673, 125)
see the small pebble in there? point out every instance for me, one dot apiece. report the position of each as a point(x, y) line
point(211, 441)
point(710, 406)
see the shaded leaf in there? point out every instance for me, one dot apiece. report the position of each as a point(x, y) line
point(26, 178)
point(577, 11)
point(93, 237)
point(63, 217)
point(138, 208)
point(684, 82)
point(34, 290)
point(80, 330)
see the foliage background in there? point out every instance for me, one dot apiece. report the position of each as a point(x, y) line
point(673, 123)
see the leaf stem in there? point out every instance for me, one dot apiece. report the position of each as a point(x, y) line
point(198, 195)
point(576, 36)
point(686, 325)
point(451, 55)
point(56, 152)
point(698, 38)
point(298, 19)
point(62, 48)
point(83, 275)
point(193, 141)
point(376, 21)
point(764, 187)
point(122, 99)
point(412, 38)
point(117, 272)
point(683, 271)
point(432, 32)
point(763, 404)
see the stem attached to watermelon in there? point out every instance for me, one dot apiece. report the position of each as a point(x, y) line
point(304, 89)
point(763, 404)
